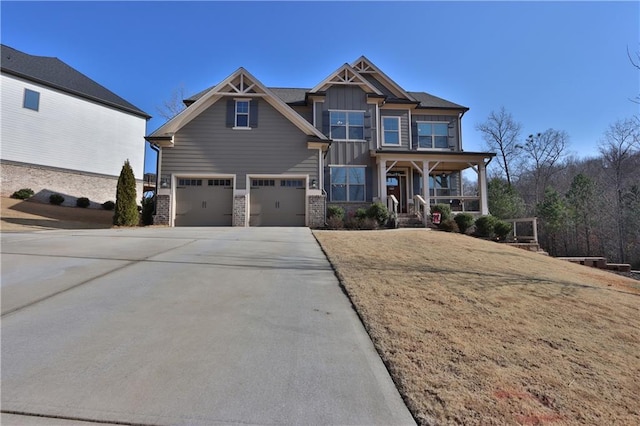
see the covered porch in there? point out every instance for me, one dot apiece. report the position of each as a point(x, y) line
point(412, 182)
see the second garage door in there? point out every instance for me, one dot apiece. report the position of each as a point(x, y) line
point(277, 202)
point(204, 202)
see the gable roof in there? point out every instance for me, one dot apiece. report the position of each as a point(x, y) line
point(54, 73)
point(365, 66)
point(346, 75)
point(240, 83)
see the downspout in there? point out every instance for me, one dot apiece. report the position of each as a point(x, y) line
point(155, 199)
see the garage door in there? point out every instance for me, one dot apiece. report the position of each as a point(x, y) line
point(277, 202)
point(204, 202)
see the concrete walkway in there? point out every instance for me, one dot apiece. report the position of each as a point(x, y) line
point(190, 326)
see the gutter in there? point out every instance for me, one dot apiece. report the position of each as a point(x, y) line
point(155, 198)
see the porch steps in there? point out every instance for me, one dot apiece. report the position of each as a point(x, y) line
point(406, 220)
point(598, 262)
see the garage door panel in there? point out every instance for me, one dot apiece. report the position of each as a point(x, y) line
point(204, 202)
point(277, 202)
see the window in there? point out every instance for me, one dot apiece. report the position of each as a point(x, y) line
point(391, 130)
point(292, 183)
point(347, 183)
point(346, 125)
point(219, 182)
point(263, 182)
point(433, 135)
point(190, 182)
point(31, 100)
point(242, 114)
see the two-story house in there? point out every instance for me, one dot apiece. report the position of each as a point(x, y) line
point(63, 132)
point(244, 154)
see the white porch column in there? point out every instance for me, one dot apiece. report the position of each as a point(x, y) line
point(425, 185)
point(382, 181)
point(482, 188)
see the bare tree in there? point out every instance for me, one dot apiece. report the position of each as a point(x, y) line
point(544, 152)
point(621, 141)
point(174, 105)
point(501, 134)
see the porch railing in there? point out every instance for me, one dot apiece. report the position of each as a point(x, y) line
point(421, 209)
point(458, 203)
point(392, 206)
point(524, 237)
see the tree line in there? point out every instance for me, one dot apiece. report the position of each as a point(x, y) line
point(585, 206)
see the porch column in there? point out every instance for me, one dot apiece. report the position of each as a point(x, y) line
point(425, 186)
point(482, 188)
point(382, 181)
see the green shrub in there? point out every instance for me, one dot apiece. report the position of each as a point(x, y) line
point(56, 199)
point(464, 221)
point(147, 211)
point(335, 222)
point(449, 225)
point(83, 202)
point(502, 229)
point(378, 212)
point(126, 210)
point(369, 223)
point(108, 205)
point(361, 213)
point(23, 194)
point(485, 225)
point(444, 210)
point(335, 211)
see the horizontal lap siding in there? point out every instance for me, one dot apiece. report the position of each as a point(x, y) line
point(206, 145)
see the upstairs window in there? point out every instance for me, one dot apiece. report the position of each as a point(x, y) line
point(433, 135)
point(391, 130)
point(31, 100)
point(242, 114)
point(346, 125)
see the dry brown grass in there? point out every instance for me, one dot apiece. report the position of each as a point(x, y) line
point(19, 215)
point(475, 332)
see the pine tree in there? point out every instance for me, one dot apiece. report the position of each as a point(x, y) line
point(126, 211)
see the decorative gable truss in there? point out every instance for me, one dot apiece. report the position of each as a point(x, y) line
point(364, 66)
point(239, 84)
point(346, 75)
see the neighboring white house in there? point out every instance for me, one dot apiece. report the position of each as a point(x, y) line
point(62, 132)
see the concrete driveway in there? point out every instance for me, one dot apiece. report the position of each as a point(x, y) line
point(191, 326)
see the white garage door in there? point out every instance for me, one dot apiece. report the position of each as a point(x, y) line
point(277, 202)
point(204, 202)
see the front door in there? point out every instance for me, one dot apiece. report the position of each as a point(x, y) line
point(396, 185)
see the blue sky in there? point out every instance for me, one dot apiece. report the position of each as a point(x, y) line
point(559, 65)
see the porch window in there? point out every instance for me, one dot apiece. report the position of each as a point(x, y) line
point(391, 130)
point(433, 135)
point(346, 125)
point(347, 183)
point(242, 114)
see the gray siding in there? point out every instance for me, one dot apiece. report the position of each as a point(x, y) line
point(305, 112)
point(455, 141)
point(205, 145)
point(346, 97)
point(404, 128)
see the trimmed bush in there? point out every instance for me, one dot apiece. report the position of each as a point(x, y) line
point(335, 211)
point(56, 199)
point(444, 210)
point(369, 223)
point(108, 205)
point(147, 211)
point(378, 212)
point(464, 221)
point(126, 210)
point(23, 194)
point(83, 202)
point(485, 225)
point(502, 229)
point(361, 213)
point(449, 225)
point(334, 222)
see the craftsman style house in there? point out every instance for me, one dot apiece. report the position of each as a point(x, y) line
point(63, 132)
point(244, 154)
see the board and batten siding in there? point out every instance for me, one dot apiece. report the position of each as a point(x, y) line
point(206, 146)
point(404, 129)
point(68, 132)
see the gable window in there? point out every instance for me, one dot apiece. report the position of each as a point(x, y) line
point(347, 183)
point(31, 100)
point(346, 125)
point(391, 130)
point(433, 135)
point(242, 114)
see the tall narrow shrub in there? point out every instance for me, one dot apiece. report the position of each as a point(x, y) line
point(126, 211)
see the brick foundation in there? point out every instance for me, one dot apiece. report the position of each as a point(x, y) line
point(72, 185)
point(163, 209)
point(316, 211)
point(239, 210)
